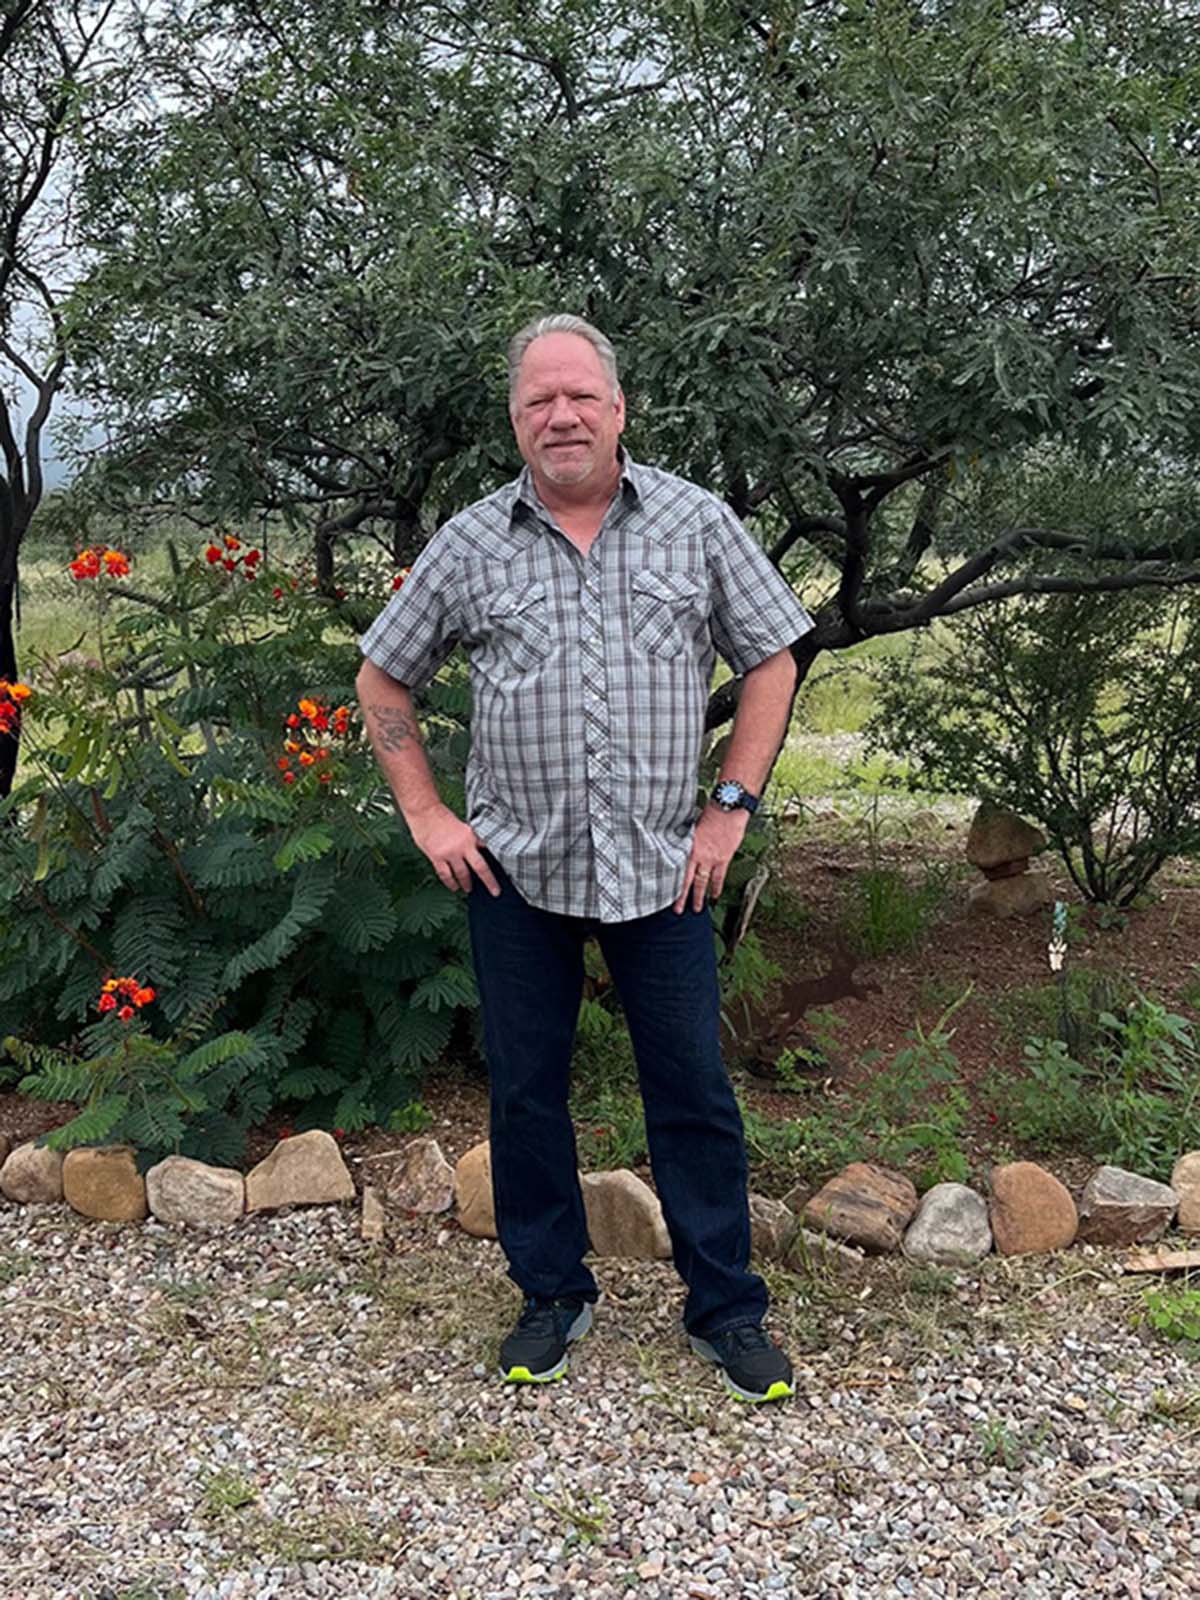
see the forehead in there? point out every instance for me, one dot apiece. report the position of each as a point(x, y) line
point(556, 358)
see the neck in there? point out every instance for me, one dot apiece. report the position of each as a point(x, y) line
point(593, 494)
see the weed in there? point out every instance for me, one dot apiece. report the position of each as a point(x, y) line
point(14, 1266)
point(1167, 1407)
point(587, 1515)
point(414, 1117)
point(227, 1490)
point(1173, 1312)
point(1003, 1445)
point(917, 1105)
point(887, 914)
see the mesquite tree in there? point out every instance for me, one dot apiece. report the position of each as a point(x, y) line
point(907, 283)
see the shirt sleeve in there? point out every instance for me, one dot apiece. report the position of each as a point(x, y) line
point(755, 612)
point(418, 628)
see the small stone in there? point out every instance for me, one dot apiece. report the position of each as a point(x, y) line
point(772, 1224)
point(809, 1249)
point(650, 1569)
point(476, 1206)
point(103, 1182)
point(1031, 1211)
point(1010, 897)
point(1185, 1180)
point(1120, 1207)
point(998, 835)
point(951, 1227)
point(416, 1177)
point(866, 1204)
point(624, 1216)
point(305, 1170)
point(185, 1193)
point(374, 1222)
point(32, 1175)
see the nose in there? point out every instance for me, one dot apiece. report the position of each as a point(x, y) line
point(562, 412)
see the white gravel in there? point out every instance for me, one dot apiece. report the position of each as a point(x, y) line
point(283, 1410)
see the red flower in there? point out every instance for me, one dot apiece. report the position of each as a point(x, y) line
point(213, 554)
point(276, 594)
point(126, 1013)
point(293, 721)
point(289, 777)
point(252, 557)
point(107, 1002)
point(228, 564)
point(283, 763)
point(339, 1133)
point(231, 543)
point(324, 777)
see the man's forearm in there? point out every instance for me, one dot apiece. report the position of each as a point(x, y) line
point(761, 721)
point(395, 736)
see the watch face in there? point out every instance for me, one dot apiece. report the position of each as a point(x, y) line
point(728, 793)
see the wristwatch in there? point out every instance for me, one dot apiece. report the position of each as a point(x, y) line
point(729, 795)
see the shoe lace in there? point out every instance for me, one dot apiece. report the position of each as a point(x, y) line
point(744, 1337)
point(541, 1317)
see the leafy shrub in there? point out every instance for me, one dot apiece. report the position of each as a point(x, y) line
point(161, 827)
point(1081, 713)
point(1135, 1103)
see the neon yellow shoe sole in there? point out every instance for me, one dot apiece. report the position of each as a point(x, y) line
point(777, 1389)
point(578, 1330)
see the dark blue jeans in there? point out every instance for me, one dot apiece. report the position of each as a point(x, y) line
point(529, 964)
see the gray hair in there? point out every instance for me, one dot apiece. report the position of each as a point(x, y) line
point(560, 322)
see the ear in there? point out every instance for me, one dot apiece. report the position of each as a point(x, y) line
point(620, 409)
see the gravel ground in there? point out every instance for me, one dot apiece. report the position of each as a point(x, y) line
point(286, 1410)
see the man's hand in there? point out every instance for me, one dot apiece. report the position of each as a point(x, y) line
point(453, 848)
point(714, 845)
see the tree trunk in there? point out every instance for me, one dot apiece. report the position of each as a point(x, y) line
point(8, 670)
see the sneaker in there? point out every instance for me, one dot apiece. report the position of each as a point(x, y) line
point(754, 1367)
point(536, 1350)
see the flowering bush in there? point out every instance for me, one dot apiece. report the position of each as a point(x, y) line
point(12, 697)
point(158, 836)
point(100, 561)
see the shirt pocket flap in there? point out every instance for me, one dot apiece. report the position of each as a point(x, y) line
point(509, 602)
point(675, 588)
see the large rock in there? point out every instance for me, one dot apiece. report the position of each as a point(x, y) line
point(416, 1177)
point(1185, 1180)
point(189, 1193)
point(1010, 897)
point(1031, 1212)
point(866, 1204)
point(32, 1175)
point(305, 1170)
point(951, 1228)
point(624, 1216)
point(473, 1198)
point(1120, 1207)
point(772, 1225)
point(104, 1182)
point(998, 836)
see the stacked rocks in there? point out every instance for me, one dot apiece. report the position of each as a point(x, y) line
point(1000, 844)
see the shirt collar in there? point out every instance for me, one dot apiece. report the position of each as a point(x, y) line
point(523, 492)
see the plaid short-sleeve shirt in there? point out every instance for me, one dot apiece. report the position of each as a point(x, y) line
point(589, 676)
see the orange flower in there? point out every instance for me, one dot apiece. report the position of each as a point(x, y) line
point(307, 758)
point(283, 763)
point(290, 746)
point(109, 987)
point(143, 997)
point(18, 691)
point(231, 543)
point(116, 563)
point(308, 707)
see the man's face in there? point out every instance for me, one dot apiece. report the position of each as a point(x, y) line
point(563, 412)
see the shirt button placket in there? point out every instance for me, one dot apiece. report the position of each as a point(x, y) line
point(596, 739)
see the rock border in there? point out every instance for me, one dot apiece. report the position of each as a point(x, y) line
point(865, 1209)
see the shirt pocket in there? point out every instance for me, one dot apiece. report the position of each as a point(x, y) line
point(667, 608)
point(519, 624)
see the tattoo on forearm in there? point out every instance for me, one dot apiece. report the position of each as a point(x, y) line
point(392, 728)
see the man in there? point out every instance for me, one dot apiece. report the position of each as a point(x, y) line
point(589, 595)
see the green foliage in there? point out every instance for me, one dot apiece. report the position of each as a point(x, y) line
point(155, 837)
point(887, 914)
point(1135, 1103)
point(1174, 1312)
point(415, 1117)
point(915, 1108)
point(1083, 715)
